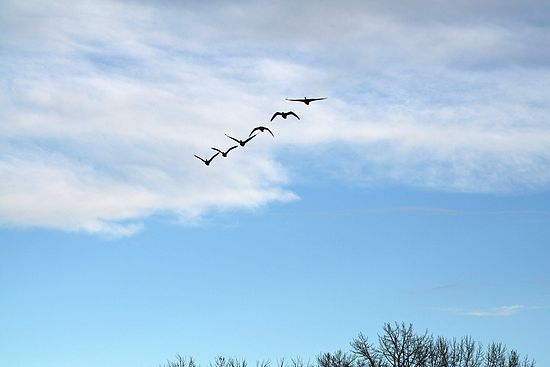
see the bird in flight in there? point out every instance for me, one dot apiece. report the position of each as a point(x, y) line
point(241, 142)
point(306, 100)
point(224, 154)
point(262, 129)
point(284, 114)
point(207, 161)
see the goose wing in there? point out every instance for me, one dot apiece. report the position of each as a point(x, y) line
point(255, 129)
point(199, 157)
point(275, 115)
point(252, 137)
point(230, 149)
point(232, 138)
point(293, 114)
point(296, 99)
point(266, 128)
point(216, 149)
point(316, 99)
point(214, 156)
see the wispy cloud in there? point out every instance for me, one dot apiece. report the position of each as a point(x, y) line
point(103, 104)
point(498, 311)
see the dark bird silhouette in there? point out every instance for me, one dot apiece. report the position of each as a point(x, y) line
point(306, 100)
point(207, 161)
point(262, 129)
point(241, 142)
point(224, 154)
point(284, 115)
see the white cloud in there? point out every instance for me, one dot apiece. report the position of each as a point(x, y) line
point(103, 104)
point(502, 311)
point(499, 311)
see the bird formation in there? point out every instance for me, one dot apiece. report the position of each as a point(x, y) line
point(257, 130)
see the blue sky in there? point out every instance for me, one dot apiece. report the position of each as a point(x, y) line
point(419, 191)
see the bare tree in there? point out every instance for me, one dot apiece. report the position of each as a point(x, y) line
point(181, 362)
point(471, 352)
point(337, 359)
point(366, 351)
point(299, 362)
point(527, 362)
point(219, 361)
point(397, 346)
point(496, 355)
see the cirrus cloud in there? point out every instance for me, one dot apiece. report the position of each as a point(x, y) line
point(498, 311)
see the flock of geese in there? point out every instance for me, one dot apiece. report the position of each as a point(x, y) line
point(257, 130)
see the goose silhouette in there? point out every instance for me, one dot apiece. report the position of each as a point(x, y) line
point(261, 129)
point(305, 100)
point(207, 161)
point(241, 142)
point(224, 154)
point(284, 115)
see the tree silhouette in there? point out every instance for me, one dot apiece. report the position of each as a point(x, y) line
point(397, 346)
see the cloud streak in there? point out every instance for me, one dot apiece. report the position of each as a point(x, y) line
point(502, 311)
point(497, 312)
point(104, 104)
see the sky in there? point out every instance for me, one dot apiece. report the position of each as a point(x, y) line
point(418, 191)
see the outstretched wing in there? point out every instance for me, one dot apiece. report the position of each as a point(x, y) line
point(295, 100)
point(293, 114)
point(266, 128)
point(230, 149)
point(252, 137)
point(216, 149)
point(316, 99)
point(275, 115)
point(214, 156)
point(199, 157)
point(232, 138)
point(256, 129)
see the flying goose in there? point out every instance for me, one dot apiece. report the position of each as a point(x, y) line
point(224, 154)
point(284, 115)
point(241, 142)
point(306, 100)
point(262, 129)
point(207, 161)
